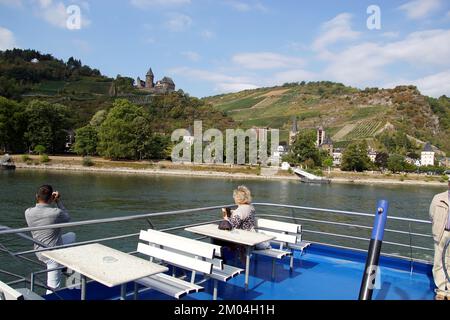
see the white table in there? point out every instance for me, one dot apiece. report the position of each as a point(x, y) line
point(247, 238)
point(108, 266)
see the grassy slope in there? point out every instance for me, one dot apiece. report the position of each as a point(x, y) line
point(86, 85)
point(348, 114)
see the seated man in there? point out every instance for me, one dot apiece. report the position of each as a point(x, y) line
point(44, 214)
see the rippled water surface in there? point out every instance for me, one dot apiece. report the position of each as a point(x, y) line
point(99, 195)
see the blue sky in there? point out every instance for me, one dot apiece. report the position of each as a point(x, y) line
point(215, 46)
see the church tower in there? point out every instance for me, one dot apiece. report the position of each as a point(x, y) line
point(150, 79)
point(294, 131)
point(320, 136)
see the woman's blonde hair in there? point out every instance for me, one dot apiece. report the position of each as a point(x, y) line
point(242, 195)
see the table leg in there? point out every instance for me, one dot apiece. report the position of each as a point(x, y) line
point(247, 266)
point(83, 287)
point(123, 292)
point(215, 289)
point(136, 291)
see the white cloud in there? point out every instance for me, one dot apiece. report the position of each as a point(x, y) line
point(191, 55)
point(55, 13)
point(297, 46)
point(365, 63)
point(390, 34)
point(178, 22)
point(247, 6)
point(239, 6)
point(266, 60)
point(7, 40)
point(207, 75)
point(143, 4)
point(234, 87)
point(434, 85)
point(420, 55)
point(418, 9)
point(207, 34)
point(222, 82)
point(335, 30)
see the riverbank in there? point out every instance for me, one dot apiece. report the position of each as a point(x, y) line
point(74, 164)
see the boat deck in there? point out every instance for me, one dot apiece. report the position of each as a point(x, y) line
point(321, 273)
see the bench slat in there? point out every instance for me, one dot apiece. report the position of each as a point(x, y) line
point(175, 258)
point(171, 286)
point(280, 236)
point(273, 253)
point(279, 226)
point(226, 273)
point(194, 247)
point(299, 245)
point(10, 293)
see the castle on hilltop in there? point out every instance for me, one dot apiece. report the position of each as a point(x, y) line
point(165, 85)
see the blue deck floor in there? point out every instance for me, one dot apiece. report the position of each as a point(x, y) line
point(321, 273)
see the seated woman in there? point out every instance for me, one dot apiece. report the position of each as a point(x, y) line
point(243, 218)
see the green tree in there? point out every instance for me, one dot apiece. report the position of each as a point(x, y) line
point(158, 147)
point(39, 149)
point(409, 167)
point(98, 118)
point(124, 84)
point(327, 162)
point(86, 139)
point(304, 149)
point(381, 160)
point(47, 125)
point(397, 142)
point(355, 157)
point(12, 126)
point(413, 155)
point(124, 131)
point(396, 163)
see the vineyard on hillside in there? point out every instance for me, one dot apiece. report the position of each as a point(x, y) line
point(364, 129)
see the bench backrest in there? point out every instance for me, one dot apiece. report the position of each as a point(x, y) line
point(279, 226)
point(282, 231)
point(8, 293)
point(178, 251)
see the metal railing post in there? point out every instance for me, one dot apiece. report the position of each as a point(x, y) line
point(32, 282)
point(373, 256)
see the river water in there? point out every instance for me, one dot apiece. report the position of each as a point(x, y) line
point(101, 195)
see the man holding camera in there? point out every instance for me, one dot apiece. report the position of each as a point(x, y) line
point(44, 214)
point(440, 217)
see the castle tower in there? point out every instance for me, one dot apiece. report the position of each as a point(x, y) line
point(149, 79)
point(139, 83)
point(294, 130)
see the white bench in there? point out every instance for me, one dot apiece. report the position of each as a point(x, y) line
point(8, 293)
point(188, 254)
point(287, 235)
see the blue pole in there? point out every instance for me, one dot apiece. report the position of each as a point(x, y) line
point(373, 255)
